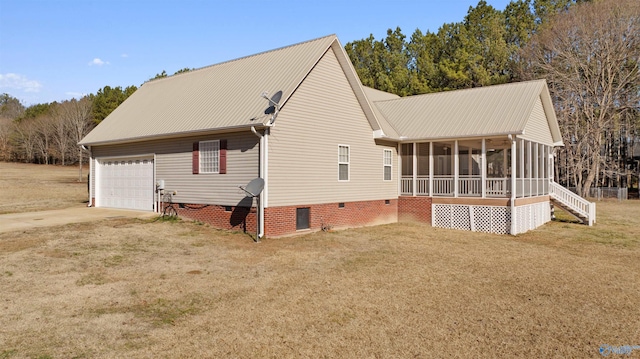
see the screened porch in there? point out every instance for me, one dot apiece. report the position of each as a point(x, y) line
point(482, 168)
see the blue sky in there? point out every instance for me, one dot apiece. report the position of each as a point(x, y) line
point(52, 50)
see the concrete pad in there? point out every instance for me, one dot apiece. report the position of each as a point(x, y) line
point(27, 220)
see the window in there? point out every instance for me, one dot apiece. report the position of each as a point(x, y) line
point(343, 163)
point(386, 164)
point(209, 156)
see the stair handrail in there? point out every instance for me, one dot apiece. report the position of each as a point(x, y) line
point(574, 201)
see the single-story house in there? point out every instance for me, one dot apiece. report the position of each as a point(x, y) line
point(330, 152)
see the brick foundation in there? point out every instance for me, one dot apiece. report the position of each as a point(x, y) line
point(414, 209)
point(223, 217)
point(282, 220)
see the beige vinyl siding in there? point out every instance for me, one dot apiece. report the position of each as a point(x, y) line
point(537, 127)
point(173, 164)
point(322, 114)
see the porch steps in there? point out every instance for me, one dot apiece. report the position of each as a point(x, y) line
point(577, 206)
point(581, 217)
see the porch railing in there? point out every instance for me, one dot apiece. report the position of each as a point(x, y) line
point(470, 186)
point(531, 187)
point(498, 187)
point(443, 185)
point(578, 204)
point(406, 185)
point(422, 185)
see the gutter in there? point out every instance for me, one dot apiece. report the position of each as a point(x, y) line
point(167, 135)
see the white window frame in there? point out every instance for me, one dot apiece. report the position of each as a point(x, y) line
point(387, 162)
point(347, 163)
point(209, 154)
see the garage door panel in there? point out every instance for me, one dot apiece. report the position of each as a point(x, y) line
point(126, 183)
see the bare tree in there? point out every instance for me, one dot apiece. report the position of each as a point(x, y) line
point(25, 135)
point(60, 132)
point(77, 118)
point(44, 137)
point(589, 55)
point(6, 129)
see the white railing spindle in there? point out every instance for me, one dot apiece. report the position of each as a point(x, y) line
point(572, 200)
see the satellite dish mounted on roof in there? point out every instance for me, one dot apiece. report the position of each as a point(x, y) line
point(274, 105)
point(253, 190)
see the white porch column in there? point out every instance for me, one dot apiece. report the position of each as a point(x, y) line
point(483, 168)
point(513, 186)
point(544, 162)
point(430, 169)
point(415, 169)
point(399, 168)
point(540, 168)
point(551, 164)
point(456, 168)
point(536, 157)
point(529, 160)
point(522, 167)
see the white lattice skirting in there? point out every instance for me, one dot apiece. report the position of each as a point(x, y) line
point(490, 219)
point(532, 216)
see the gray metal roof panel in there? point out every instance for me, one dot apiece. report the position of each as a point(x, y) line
point(499, 109)
point(219, 96)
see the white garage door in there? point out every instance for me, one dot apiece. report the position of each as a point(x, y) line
point(125, 183)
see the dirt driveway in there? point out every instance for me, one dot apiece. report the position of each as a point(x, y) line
point(27, 220)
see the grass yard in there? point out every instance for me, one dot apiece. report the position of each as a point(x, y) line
point(148, 289)
point(29, 187)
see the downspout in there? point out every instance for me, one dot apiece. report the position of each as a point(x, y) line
point(90, 171)
point(262, 161)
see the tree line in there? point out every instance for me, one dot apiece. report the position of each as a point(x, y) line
point(48, 133)
point(588, 51)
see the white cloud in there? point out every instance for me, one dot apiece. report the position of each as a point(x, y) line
point(124, 55)
point(98, 62)
point(19, 82)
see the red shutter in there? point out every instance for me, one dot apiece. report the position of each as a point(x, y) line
point(195, 158)
point(223, 157)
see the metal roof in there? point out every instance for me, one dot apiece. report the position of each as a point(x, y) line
point(483, 111)
point(227, 96)
point(217, 97)
point(376, 95)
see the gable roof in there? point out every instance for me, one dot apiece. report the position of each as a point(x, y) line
point(226, 97)
point(483, 111)
point(220, 97)
point(386, 130)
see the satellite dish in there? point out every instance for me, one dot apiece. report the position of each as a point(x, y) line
point(275, 99)
point(254, 187)
point(274, 105)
